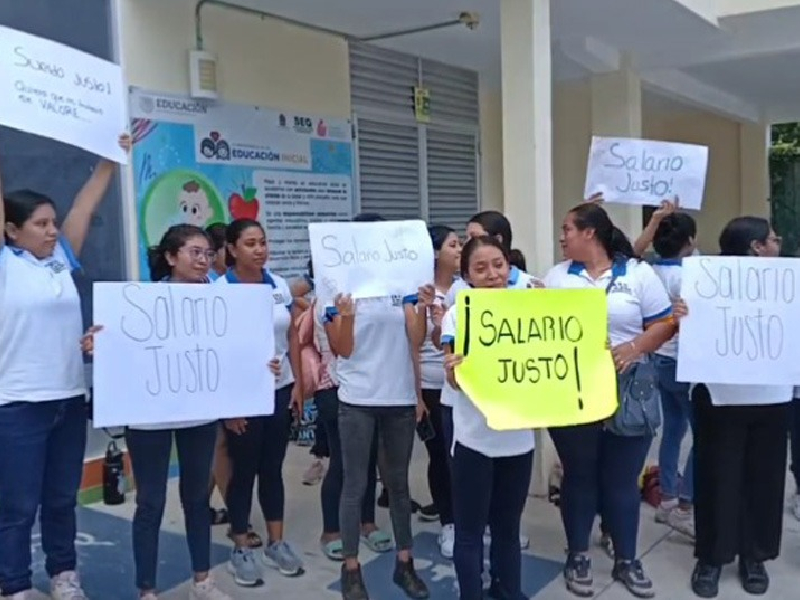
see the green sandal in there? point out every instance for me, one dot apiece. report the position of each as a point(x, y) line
point(333, 550)
point(377, 541)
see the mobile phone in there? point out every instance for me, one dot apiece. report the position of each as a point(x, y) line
point(425, 430)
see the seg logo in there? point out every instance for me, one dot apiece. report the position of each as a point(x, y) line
point(213, 146)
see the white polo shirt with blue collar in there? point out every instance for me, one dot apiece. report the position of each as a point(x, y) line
point(380, 371)
point(636, 296)
point(40, 326)
point(669, 271)
point(517, 280)
point(281, 319)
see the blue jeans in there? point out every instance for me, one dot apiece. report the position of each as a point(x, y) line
point(489, 491)
point(41, 464)
point(150, 455)
point(601, 469)
point(676, 407)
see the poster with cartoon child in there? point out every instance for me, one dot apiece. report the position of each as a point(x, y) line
point(202, 163)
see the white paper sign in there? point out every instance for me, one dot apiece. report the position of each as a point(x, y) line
point(370, 260)
point(181, 352)
point(743, 325)
point(632, 171)
point(61, 93)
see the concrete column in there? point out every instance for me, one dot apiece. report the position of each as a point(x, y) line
point(528, 155)
point(754, 169)
point(617, 112)
point(527, 128)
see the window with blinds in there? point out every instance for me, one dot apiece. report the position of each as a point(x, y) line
point(408, 169)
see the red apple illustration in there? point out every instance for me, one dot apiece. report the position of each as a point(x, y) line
point(245, 205)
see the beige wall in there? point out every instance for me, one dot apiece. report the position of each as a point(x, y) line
point(735, 173)
point(491, 151)
point(261, 62)
point(723, 195)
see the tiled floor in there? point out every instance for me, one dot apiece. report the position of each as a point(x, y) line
point(107, 569)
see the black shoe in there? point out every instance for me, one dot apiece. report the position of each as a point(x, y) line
point(383, 499)
point(754, 577)
point(407, 579)
point(578, 575)
point(705, 580)
point(631, 574)
point(353, 587)
point(429, 513)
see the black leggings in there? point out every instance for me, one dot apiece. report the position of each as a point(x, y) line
point(259, 452)
point(438, 465)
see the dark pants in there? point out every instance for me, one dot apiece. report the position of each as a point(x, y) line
point(150, 453)
point(259, 452)
point(489, 491)
point(795, 429)
point(321, 448)
point(438, 465)
point(740, 476)
point(41, 463)
point(601, 471)
point(447, 432)
point(396, 426)
point(331, 489)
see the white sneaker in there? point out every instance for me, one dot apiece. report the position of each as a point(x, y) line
point(206, 590)
point(795, 506)
point(524, 540)
point(149, 596)
point(663, 511)
point(682, 521)
point(447, 539)
point(66, 586)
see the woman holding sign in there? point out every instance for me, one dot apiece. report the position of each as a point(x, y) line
point(42, 389)
point(491, 469)
point(257, 445)
point(602, 466)
point(447, 252)
point(740, 439)
point(377, 342)
point(184, 255)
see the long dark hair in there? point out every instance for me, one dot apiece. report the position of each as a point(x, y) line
point(673, 234)
point(496, 224)
point(740, 233)
point(20, 205)
point(368, 217)
point(216, 232)
point(613, 240)
point(234, 231)
point(171, 242)
point(478, 242)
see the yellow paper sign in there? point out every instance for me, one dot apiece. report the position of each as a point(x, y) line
point(536, 358)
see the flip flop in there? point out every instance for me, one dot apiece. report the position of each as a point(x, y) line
point(378, 541)
point(333, 550)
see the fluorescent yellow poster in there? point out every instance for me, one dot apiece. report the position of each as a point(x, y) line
point(536, 358)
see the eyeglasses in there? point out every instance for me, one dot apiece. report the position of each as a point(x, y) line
point(201, 253)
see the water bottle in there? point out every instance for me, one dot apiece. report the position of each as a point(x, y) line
point(113, 475)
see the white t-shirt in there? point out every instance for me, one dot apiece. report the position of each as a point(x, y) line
point(431, 359)
point(636, 299)
point(470, 427)
point(380, 371)
point(40, 326)
point(281, 319)
point(669, 271)
point(730, 394)
point(517, 279)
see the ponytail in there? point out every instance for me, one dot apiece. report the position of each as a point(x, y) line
point(621, 247)
point(157, 261)
point(517, 259)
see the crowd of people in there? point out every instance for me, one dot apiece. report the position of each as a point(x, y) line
point(728, 498)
